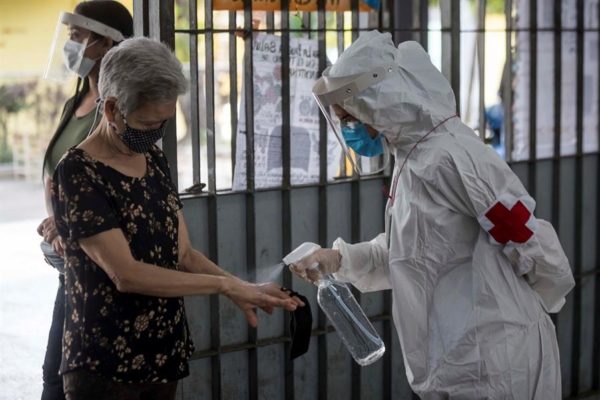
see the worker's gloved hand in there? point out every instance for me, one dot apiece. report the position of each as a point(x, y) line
point(320, 263)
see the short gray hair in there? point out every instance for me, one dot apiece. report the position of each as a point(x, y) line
point(140, 70)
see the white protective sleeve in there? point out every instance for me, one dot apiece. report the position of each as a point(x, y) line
point(473, 186)
point(546, 266)
point(364, 264)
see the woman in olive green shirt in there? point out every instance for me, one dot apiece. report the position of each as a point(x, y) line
point(110, 22)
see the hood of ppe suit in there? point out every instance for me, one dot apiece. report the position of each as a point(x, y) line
point(412, 99)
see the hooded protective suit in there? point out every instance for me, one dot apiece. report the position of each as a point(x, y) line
point(473, 272)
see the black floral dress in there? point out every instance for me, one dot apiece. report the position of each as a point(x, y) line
point(125, 337)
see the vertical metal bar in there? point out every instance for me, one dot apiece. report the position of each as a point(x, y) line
point(194, 101)
point(557, 112)
point(340, 48)
point(339, 21)
point(424, 23)
point(596, 346)
point(381, 13)
point(161, 21)
point(140, 18)
point(455, 61)
point(210, 96)
point(557, 121)
point(578, 259)
point(532, 162)
point(250, 194)
point(355, 19)
point(249, 97)
point(374, 21)
point(387, 339)
point(403, 21)
point(481, 65)
point(306, 22)
point(286, 197)
point(355, 210)
point(161, 26)
point(507, 92)
point(212, 199)
point(285, 113)
point(214, 303)
point(322, 320)
point(355, 230)
point(387, 295)
point(355, 25)
point(270, 22)
point(450, 18)
point(233, 100)
point(391, 8)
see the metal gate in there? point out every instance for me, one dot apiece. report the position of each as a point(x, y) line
point(248, 232)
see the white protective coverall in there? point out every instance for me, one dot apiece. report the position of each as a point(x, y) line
point(473, 272)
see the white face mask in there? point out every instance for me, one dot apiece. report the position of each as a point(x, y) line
point(74, 59)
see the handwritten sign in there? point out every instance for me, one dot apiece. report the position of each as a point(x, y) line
point(304, 117)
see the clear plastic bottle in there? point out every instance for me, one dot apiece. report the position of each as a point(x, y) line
point(338, 303)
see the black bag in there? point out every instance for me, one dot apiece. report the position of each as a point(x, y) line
point(300, 327)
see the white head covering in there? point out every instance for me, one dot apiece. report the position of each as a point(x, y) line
point(413, 98)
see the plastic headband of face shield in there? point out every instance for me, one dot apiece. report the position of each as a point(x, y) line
point(66, 27)
point(101, 29)
point(329, 91)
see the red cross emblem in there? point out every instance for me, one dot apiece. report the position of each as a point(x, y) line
point(509, 225)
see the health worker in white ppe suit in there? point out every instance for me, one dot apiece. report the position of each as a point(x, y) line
point(473, 273)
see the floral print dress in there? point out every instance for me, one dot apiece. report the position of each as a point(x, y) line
point(126, 337)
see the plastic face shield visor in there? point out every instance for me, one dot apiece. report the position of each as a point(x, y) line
point(74, 31)
point(329, 91)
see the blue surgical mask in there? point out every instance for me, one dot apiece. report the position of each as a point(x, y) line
point(358, 139)
point(75, 60)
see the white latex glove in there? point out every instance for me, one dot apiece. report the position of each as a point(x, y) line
point(320, 263)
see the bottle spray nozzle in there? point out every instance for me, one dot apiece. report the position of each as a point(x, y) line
point(302, 251)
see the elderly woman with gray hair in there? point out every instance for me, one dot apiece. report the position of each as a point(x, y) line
point(128, 254)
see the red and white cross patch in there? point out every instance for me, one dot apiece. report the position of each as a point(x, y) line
point(510, 220)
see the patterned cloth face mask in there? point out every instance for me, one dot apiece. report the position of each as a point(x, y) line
point(358, 139)
point(140, 141)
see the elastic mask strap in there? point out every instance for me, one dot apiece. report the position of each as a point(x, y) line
point(87, 46)
point(99, 102)
point(392, 194)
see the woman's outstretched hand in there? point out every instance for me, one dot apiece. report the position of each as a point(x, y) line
point(250, 296)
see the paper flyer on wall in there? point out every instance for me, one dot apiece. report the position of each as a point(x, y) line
point(304, 117)
point(545, 81)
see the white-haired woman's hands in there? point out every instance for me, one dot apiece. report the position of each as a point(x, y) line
point(58, 245)
point(47, 229)
point(273, 289)
point(320, 263)
point(250, 296)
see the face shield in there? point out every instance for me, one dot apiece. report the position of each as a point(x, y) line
point(71, 37)
point(330, 92)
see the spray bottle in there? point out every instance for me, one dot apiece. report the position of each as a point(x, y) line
point(344, 312)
